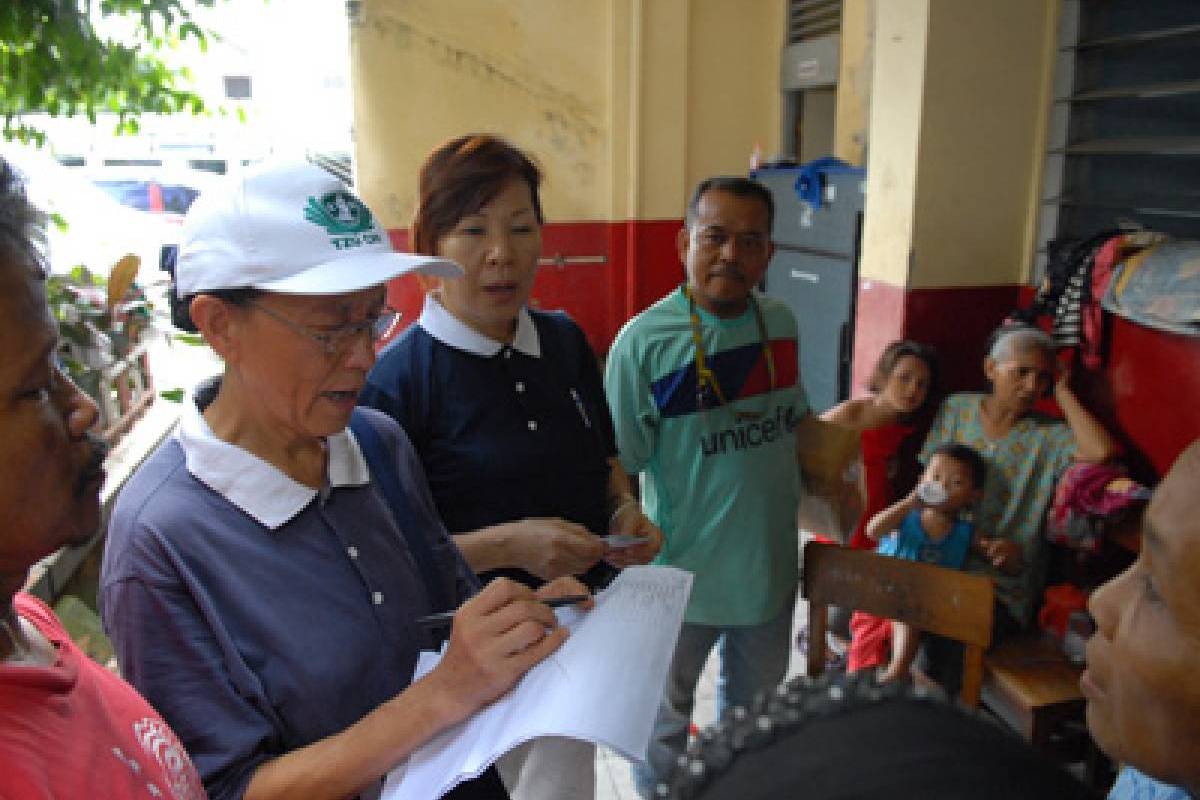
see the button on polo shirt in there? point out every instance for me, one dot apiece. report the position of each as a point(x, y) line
point(261, 489)
point(449, 330)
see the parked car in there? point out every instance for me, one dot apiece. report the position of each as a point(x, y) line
point(90, 228)
point(164, 191)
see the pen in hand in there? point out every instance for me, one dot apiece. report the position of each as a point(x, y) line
point(445, 618)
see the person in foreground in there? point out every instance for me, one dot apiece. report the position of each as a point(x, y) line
point(706, 396)
point(68, 726)
point(506, 411)
point(1143, 698)
point(845, 735)
point(266, 566)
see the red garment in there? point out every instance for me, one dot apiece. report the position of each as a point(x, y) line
point(870, 641)
point(1058, 603)
point(1104, 266)
point(74, 730)
point(871, 636)
point(879, 449)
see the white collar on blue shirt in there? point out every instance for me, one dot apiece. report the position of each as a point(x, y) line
point(450, 330)
point(255, 486)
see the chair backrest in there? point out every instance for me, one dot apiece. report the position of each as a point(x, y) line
point(946, 602)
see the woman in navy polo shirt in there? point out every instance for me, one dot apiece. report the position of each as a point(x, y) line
point(504, 404)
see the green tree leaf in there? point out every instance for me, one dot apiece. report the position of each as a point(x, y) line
point(52, 60)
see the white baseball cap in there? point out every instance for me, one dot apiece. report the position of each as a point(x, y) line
point(293, 228)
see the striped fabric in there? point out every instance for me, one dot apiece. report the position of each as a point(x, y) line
point(741, 371)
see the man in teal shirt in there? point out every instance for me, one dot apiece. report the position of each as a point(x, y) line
point(705, 393)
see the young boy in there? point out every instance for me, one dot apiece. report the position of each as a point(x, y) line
point(927, 525)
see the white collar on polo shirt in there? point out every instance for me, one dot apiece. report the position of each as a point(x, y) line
point(450, 330)
point(255, 486)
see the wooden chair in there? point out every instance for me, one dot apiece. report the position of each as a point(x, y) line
point(946, 602)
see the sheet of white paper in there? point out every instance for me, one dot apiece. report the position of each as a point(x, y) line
point(603, 685)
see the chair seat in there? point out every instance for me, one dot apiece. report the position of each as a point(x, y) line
point(1031, 685)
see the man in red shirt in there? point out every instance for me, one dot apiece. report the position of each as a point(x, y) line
point(68, 727)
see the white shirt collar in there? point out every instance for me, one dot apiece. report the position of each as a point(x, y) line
point(450, 330)
point(255, 486)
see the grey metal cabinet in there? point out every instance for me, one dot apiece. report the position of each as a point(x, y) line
point(815, 271)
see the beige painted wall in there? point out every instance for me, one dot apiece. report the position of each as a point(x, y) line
point(986, 90)
point(625, 103)
point(658, 169)
point(897, 85)
point(733, 90)
point(856, 51)
point(427, 70)
point(959, 95)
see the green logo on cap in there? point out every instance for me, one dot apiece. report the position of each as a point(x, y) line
point(345, 217)
point(338, 212)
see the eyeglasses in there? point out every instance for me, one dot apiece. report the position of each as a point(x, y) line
point(335, 341)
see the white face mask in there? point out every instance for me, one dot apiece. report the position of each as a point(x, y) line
point(932, 493)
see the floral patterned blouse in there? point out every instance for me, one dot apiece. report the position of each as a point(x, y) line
point(1023, 467)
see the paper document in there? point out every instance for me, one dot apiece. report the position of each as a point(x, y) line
point(603, 685)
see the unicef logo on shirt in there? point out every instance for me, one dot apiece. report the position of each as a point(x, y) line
point(750, 435)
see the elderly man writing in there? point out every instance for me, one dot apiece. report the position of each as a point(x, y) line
point(267, 566)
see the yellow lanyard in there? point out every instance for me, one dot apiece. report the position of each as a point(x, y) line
point(706, 378)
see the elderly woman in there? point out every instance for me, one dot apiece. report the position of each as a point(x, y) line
point(1026, 453)
point(265, 568)
point(505, 407)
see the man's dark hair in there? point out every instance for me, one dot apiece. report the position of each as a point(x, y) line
point(965, 454)
point(737, 186)
point(22, 231)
